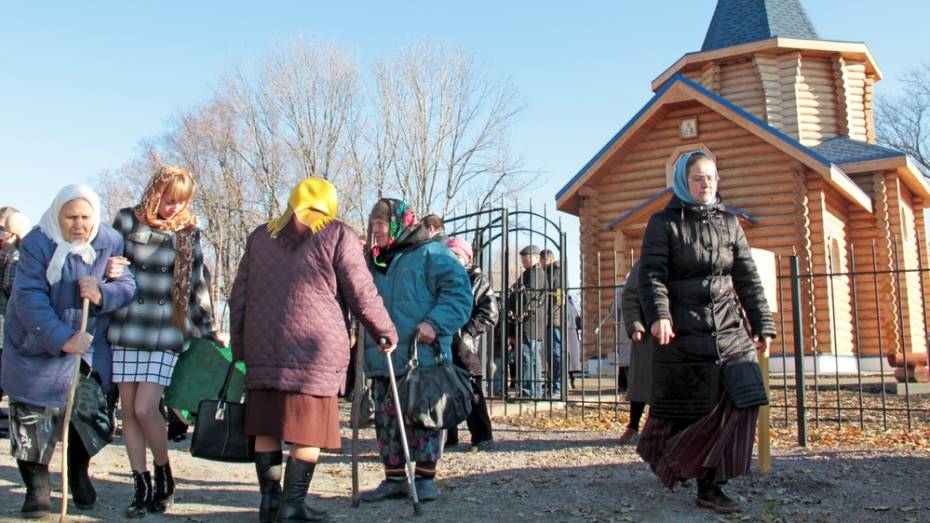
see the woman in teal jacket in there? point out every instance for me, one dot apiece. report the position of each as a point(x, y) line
point(428, 295)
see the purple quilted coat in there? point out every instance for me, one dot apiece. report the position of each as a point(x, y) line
point(289, 310)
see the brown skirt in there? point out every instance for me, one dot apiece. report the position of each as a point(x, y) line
point(299, 419)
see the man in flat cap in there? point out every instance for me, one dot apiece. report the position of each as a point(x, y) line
point(527, 310)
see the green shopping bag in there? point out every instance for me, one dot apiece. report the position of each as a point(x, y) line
point(199, 374)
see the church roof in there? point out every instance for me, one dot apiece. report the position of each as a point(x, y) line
point(842, 149)
point(679, 88)
point(738, 22)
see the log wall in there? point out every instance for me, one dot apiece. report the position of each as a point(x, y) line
point(754, 176)
point(901, 220)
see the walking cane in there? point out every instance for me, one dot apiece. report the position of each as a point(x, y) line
point(85, 309)
point(403, 435)
point(359, 393)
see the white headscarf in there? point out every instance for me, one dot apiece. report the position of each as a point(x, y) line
point(50, 225)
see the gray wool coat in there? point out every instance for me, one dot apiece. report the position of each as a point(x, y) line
point(146, 323)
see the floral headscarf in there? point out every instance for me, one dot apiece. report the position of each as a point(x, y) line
point(184, 227)
point(404, 232)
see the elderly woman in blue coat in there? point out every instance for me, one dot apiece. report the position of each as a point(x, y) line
point(62, 262)
point(427, 292)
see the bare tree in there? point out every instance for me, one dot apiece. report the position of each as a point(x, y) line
point(313, 89)
point(903, 122)
point(123, 186)
point(446, 123)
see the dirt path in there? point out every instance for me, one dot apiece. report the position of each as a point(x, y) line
point(534, 475)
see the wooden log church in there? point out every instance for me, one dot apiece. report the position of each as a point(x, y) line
point(788, 117)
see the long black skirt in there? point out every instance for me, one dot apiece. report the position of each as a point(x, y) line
point(720, 442)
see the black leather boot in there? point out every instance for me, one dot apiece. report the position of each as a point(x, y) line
point(82, 490)
point(142, 498)
point(711, 496)
point(268, 469)
point(297, 478)
point(37, 504)
point(164, 488)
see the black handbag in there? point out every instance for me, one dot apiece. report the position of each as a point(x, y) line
point(219, 430)
point(437, 397)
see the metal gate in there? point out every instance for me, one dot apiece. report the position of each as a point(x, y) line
point(517, 367)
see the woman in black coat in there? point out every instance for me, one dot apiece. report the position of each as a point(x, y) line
point(466, 344)
point(696, 278)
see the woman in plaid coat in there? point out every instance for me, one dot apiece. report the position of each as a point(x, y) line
point(172, 304)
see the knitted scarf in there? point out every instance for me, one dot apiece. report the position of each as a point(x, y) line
point(184, 226)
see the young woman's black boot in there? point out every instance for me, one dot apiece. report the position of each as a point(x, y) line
point(164, 488)
point(142, 498)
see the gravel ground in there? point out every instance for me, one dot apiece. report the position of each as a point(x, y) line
point(534, 475)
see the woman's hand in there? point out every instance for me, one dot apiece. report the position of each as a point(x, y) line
point(662, 331)
point(217, 340)
point(90, 290)
point(78, 343)
point(386, 346)
point(762, 343)
point(115, 267)
point(425, 332)
point(637, 336)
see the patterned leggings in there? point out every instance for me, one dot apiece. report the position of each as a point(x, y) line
point(425, 444)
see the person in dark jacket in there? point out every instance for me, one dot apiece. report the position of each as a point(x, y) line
point(427, 292)
point(298, 276)
point(466, 346)
point(554, 298)
point(526, 309)
point(696, 274)
point(13, 226)
point(639, 378)
point(62, 262)
point(163, 250)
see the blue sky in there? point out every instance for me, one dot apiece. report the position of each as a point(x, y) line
point(84, 82)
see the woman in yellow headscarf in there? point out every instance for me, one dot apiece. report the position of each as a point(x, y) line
point(299, 276)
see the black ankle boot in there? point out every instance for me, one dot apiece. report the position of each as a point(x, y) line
point(142, 498)
point(164, 488)
point(297, 478)
point(268, 469)
point(711, 496)
point(82, 490)
point(35, 476)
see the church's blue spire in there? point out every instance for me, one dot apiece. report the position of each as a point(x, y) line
point(742, 21)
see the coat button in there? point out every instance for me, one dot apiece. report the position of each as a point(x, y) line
point(145, 267)
point(713, 333)
point(164, 269)
point(161, 302)
point(141, 301)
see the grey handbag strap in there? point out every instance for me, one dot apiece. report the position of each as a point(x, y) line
point(414, 360)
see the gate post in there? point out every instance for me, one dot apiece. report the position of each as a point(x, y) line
point(798, 350)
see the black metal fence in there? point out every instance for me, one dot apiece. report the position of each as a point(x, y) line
point(852, 341)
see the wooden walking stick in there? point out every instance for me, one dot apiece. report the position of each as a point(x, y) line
point(765, 436)
point(359, 394)
point(403, 435)
point(62, 516)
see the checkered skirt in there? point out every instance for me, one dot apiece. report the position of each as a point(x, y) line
point(136, 366)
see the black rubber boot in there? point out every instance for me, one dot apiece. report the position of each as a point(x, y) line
point(268, 469)
point(142, 498)
point(164, 488)
point(82, 490)
point(297, 479)
point(37, 504)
